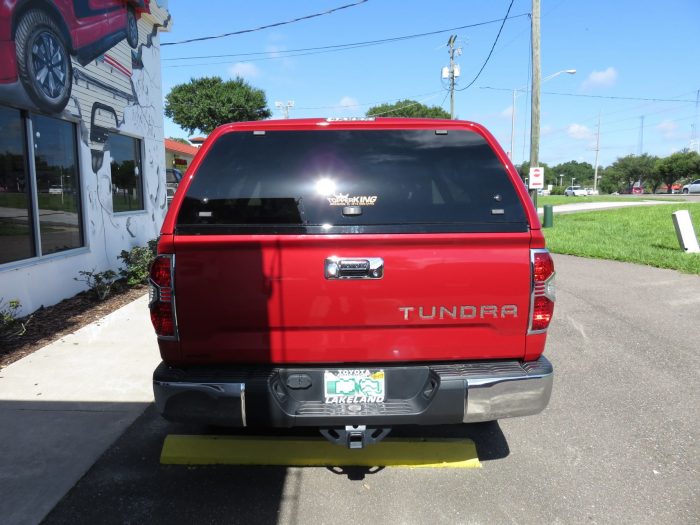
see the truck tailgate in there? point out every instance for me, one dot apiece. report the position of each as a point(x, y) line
point(265, 298)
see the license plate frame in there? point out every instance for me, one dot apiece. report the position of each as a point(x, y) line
point(354, 386)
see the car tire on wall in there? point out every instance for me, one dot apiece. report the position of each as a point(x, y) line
point(43, 62)
point(132, 28)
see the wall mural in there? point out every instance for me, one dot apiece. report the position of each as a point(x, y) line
point(95, 63)
point(88, 59)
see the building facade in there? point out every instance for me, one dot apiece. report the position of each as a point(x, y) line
point(178, 156)
point(82, 173)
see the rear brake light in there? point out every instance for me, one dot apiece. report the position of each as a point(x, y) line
point(543, 297)
point(162, 297)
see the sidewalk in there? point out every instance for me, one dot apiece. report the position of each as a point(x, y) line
point(64, 405)
point(592, 206)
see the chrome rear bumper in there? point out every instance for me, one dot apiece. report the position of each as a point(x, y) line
point(465, 392)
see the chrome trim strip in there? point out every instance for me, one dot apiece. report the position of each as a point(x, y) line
point(245, 424)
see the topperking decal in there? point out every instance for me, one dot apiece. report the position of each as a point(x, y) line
point(344, 199)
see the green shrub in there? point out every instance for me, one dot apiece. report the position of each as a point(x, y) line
point(100, 283)
point(137, 263)
point(10, 326)
point(557, 190)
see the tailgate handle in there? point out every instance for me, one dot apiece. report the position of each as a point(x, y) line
point(354, 268)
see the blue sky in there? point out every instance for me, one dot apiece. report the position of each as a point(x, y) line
point(621, 48)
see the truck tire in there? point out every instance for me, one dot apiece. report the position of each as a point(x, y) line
point(132, 28)
point(43, 62)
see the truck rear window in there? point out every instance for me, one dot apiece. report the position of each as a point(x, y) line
point(355, 181)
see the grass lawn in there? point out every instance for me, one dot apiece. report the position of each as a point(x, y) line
point(642, 235)
point(561, 199)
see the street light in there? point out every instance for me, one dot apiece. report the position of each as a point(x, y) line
point(512, 116)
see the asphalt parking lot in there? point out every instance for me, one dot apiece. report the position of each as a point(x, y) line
point(618, 443)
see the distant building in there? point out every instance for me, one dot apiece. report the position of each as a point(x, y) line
point(82, 171)
point(178, 155)
point(197, 141)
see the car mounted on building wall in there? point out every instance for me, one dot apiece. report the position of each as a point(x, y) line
point(39, 37)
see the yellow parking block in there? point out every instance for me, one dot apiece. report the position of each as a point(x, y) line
point(312, 452)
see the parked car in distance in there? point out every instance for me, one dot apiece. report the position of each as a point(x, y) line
point(173, 176)
point(575, 191)
point(693, 187)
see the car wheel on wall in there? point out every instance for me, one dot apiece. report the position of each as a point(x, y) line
point(43, 62)
point(132, 28)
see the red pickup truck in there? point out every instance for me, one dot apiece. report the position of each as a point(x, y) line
point(351, 275)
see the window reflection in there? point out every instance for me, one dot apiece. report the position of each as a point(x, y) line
point(57, 184)
point(16, 237)
point(127, 194)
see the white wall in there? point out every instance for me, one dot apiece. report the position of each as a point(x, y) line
point(48, 280)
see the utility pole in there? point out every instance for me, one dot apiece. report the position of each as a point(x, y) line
point(451, 72)
point(286, 107)
point(641, 136)
point(597, 150)
point(535, 104)
point(512, 128)
point(694, 141)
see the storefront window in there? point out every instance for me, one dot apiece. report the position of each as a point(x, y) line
point(52, 177)
point(57, 184)
point(127, 189)
point(16, 237)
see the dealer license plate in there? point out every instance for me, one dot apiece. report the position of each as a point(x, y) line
point(354, 386)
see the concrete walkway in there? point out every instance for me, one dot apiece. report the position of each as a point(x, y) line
point(592, 206)
point(64, 405)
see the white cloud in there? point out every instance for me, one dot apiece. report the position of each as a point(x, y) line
point(579, 132)
point(600, 79)
point(348, 103)
point(507, 113)
point(244, 70)
point(668, 129)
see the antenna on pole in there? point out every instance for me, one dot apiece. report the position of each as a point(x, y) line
point(451, 72)
point(286, 107)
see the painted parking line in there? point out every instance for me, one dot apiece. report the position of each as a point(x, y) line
point(312, 452)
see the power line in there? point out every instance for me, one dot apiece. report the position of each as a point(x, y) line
point(276, 24)
point(332, 48)
point(492, 48)
point(608, 97)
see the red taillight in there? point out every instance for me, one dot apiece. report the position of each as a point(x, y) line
point(161, 296)
point(162, 319)
point(542, 290)
point(160, 271)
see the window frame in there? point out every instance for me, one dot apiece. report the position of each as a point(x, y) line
point(30, 162)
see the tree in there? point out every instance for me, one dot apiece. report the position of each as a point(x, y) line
point(581, 171)
point(626, 170)
point(407, 109)
point(208, 102)
point(681, 165)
